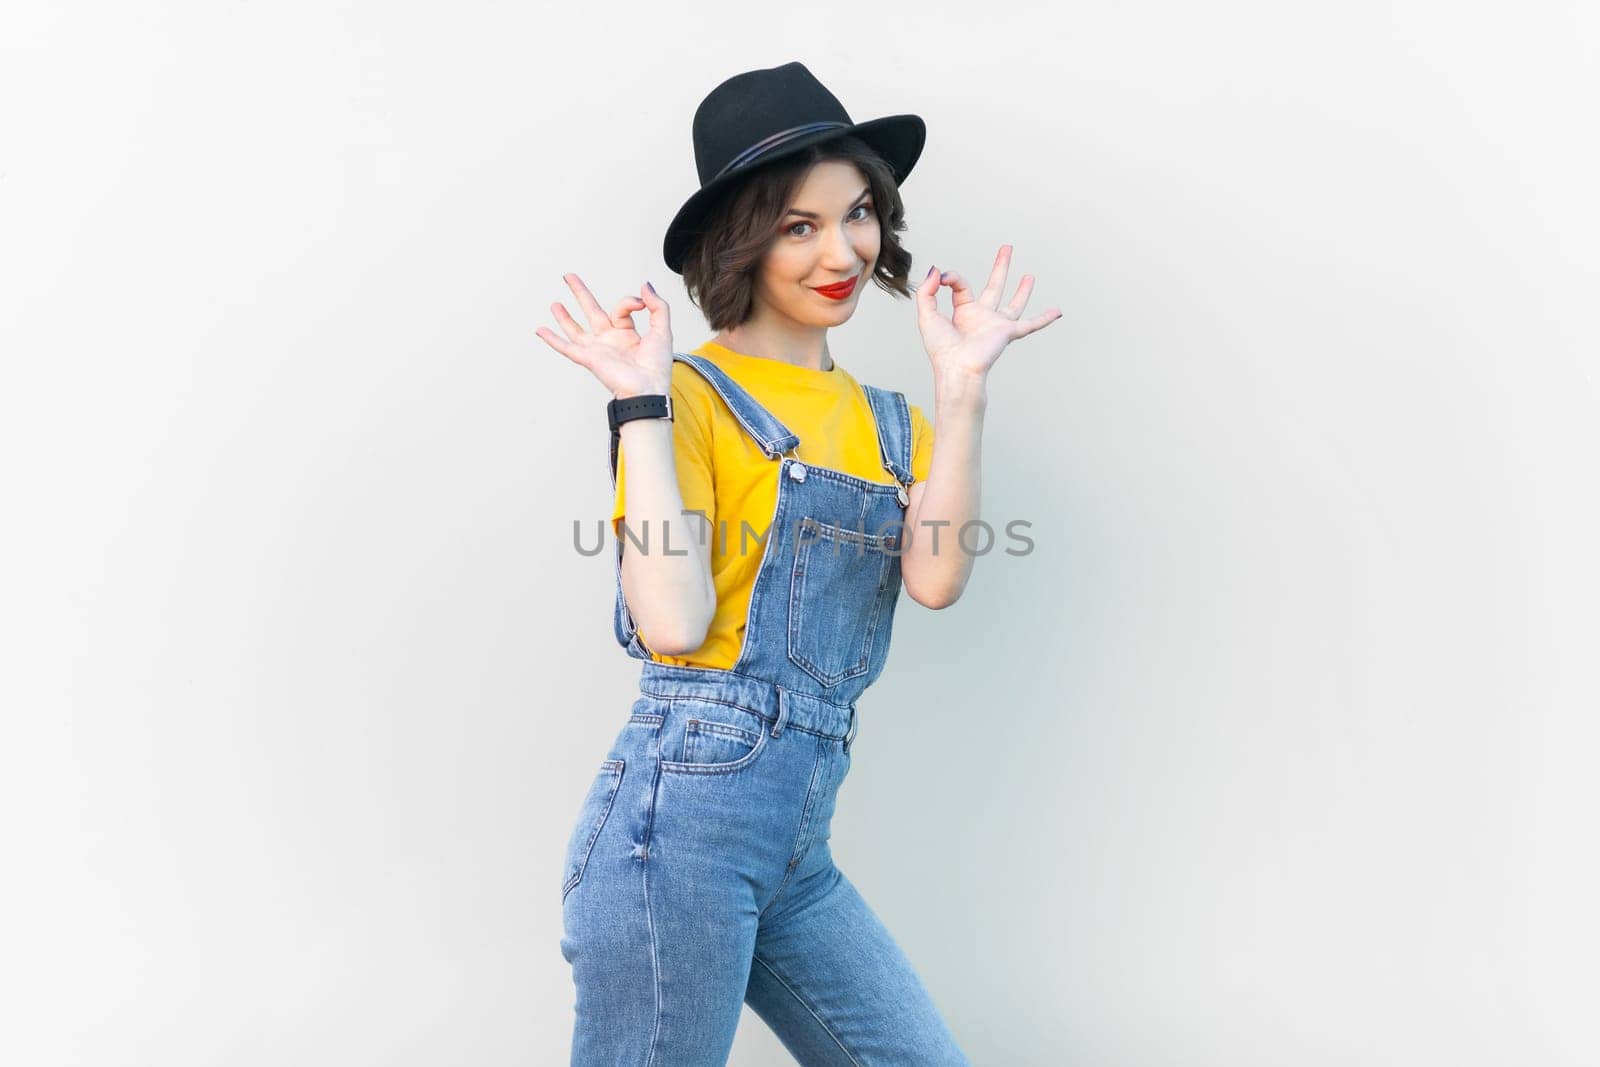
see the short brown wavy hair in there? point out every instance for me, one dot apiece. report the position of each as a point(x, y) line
point(719, 268)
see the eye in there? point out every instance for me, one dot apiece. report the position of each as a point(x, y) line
point(867, 207)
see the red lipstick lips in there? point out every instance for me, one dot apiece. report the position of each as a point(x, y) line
point(839, 291)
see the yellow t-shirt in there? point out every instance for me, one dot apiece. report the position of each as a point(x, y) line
point(723, 472)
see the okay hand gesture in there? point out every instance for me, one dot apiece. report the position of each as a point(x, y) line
point(625, 363)
point(978, 329)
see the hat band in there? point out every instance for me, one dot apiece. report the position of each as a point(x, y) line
point(767, 144)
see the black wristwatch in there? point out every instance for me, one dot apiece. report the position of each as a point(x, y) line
point(626, 409)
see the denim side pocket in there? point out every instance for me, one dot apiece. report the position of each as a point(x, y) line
point(717, 737)
point(592, 816)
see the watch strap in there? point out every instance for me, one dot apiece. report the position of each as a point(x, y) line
point(626, 409)
point(649, 406)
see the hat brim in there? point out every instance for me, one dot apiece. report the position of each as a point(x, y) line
point(898, 138)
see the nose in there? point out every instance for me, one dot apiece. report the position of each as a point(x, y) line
point(839, 255)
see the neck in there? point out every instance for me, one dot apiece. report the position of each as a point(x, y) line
point(787, 342)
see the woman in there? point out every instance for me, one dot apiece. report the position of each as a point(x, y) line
point(768, 509)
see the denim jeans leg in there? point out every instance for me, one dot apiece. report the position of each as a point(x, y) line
point(834, 986)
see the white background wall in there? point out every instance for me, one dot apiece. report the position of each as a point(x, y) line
point(1278, 749)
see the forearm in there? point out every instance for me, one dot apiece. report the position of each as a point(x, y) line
point(666, 555)
point(933, 565)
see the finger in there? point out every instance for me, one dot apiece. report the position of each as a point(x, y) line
point(566, 348)
point(567, 323)
point(1027, 326)
point(960, 291)
point(623, 316)
point(591, 306)
point(660, 314)
point(1020, 300)
point(996, 286)
point(927, 293)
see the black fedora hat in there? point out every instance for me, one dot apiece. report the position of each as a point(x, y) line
point(759, 116)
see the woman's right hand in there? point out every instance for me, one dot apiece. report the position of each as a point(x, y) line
point(625, 363)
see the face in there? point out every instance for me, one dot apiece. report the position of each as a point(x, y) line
point(830, 235)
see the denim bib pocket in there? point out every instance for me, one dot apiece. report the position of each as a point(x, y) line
point(837, 599)
point(714, 737)
point(592, 816)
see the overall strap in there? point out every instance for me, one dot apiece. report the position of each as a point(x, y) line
point(893, 416)
point(773, 436)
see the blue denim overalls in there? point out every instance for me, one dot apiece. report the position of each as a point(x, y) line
point(698, 875)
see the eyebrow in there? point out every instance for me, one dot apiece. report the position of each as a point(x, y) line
point(862, 195)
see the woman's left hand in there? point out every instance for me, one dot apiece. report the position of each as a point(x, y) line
point(978, 329)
